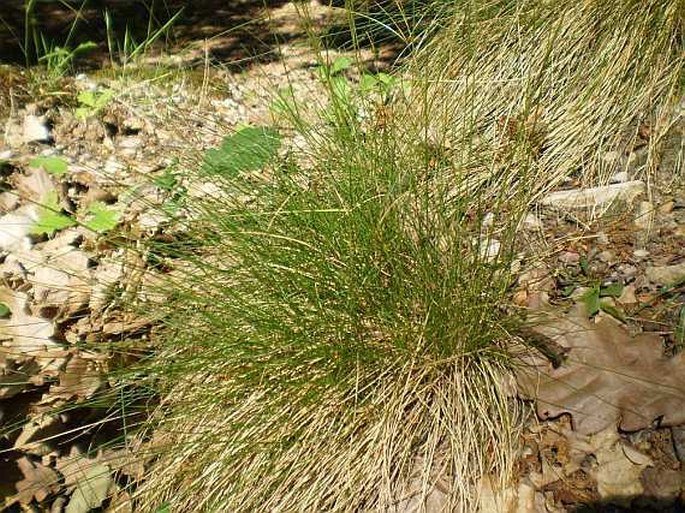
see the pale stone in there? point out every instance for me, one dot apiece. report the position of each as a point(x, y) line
point(596, 196)
point(532, 222)
point(620, 177)
point(666, 275)
point(35, 129)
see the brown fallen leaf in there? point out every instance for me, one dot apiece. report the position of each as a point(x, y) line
point(39, 481)
point(607, 378)
point(62, 280)
point(81, 378)
point(34, 184)
point(24, 335)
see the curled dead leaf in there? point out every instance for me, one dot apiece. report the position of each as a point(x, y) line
point(607, 378)
point(39, 481)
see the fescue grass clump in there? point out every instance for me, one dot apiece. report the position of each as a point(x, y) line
point(337, 335)
point(336, 341)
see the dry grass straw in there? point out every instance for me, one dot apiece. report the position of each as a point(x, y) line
point(342, 345)
point(568, 82)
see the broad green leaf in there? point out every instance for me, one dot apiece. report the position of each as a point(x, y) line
point(55, 166)
point(591, 301)
point(341, 88)
point(385, 79)
point(4, 310)
point(249, 149)
point(87, 98)
point(50, 218)
point(367, 83)
point(101, 217)
point(611, 290)
point(167, 181)
point(340, 64)
point(612, 310)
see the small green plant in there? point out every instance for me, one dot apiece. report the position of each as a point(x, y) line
point(128, 49)
point(97, 216)
point(248, 149)
point(58, 60)
point(100, 217)
point(92, 102)
point(593, 300)
point(50, 217)
point(56, 166)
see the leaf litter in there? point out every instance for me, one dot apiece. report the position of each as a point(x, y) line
point(607, 378)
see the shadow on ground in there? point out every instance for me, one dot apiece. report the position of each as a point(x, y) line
point(231, 32)
point(640, 504)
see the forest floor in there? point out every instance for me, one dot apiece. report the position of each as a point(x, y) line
point(613, 439)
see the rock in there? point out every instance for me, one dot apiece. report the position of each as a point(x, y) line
point(619, 467)
point(532, 222)
point(644, 220)
point(113, 166)
point(6, 154)
point(667, 207)
point(607, 257)
point(666, 275)
point(678, 434)
point(35, 129)
point(640, 253)
point(490, 248)
point(602, 239)
point(628, 296)
point(595, 196)
point(612, 157)
point(662, 485)
point(620, 177)
point(569, 258)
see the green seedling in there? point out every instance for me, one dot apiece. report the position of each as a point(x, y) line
point(92, 102)
point(176, 192)
point(101, 217)
point(679, 334)
point(50, 218)
point(593, 300)
point(56, 166)
point(58, 60)
point(4, 310)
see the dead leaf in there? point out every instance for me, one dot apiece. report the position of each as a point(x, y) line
point(61, 279)
point(617, 475)
point(89, 479)
point(35, 434)
point(15, 375)
point(39, 481)
point(81, 378)
point(15, 228)
point(26, 335)
point(608, 377)
point(34, 185)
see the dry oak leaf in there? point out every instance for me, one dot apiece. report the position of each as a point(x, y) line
point(61, 279)
point(39, 481)
point(24, 334)
point(608, 378)
point(80, 378)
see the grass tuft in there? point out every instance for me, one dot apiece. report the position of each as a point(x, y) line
point(336, 335)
